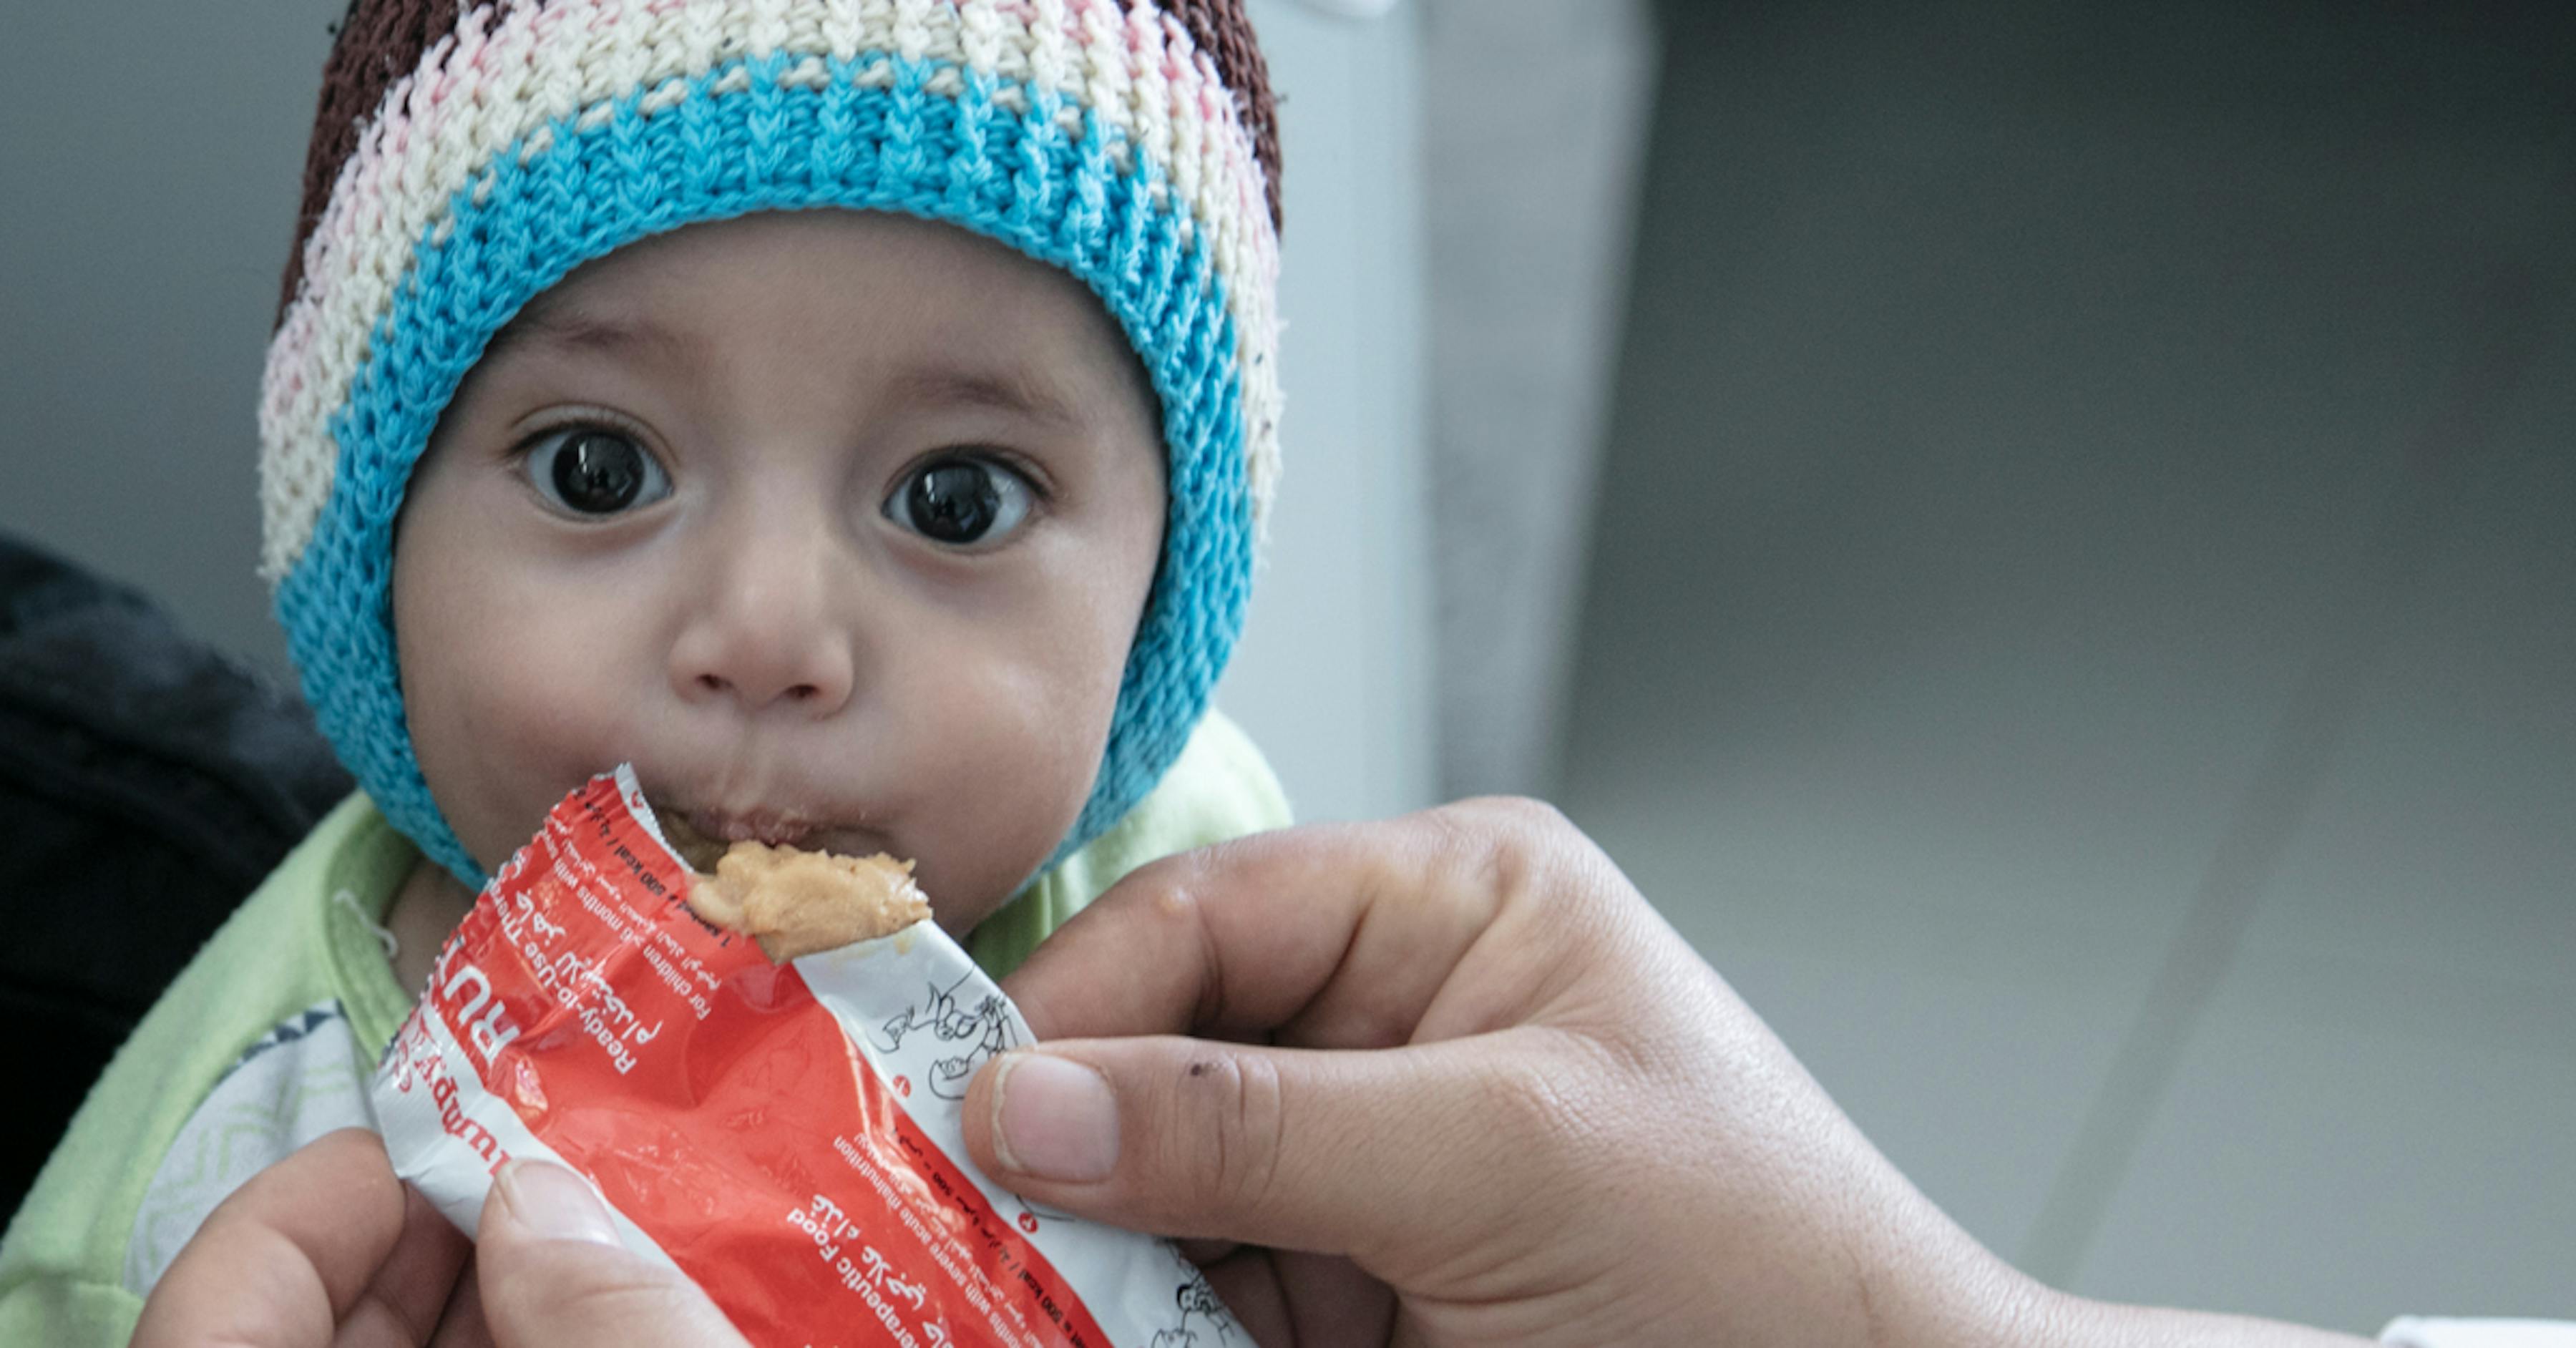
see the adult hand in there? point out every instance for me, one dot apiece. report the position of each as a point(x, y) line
point(328, 1248)
point(1465, 1086)
point(1490, 1095)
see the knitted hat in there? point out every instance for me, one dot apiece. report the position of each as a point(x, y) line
point(468, 155)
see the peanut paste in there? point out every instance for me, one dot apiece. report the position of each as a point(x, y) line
point(795, 902)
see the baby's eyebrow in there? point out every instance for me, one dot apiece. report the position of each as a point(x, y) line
point(573, 330)
point(1011, 391)
point(1017, 392)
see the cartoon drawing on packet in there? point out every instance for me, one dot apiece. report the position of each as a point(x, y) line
point(985, 1027)
point(1194, 1299)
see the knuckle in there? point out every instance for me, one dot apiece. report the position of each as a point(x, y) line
point(1178, 888)
point(1167, 886)
point(1550, 1116)
point(1518, 826)
point(1172, 893)
point(1233, 1112)
point(1539, 1105)
point(1517, 813)
point(1520, 847)
point(1497, 844)
point(1177, 880)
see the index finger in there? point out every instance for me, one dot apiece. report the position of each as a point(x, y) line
point(1331, 936)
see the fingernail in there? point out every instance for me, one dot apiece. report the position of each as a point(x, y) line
point(555, 1204)
point(1054, 1119)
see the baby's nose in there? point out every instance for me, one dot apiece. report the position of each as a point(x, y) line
point(821, 684)
point(767, 634)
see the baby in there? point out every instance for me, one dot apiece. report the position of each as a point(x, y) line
point(856, 415)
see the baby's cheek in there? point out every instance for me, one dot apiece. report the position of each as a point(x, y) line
point(525, 732)
point(1015, 757)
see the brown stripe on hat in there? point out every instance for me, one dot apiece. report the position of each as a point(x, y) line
point(1224, 32)
point(376, 43)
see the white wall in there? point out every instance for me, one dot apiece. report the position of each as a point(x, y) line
point(1334, 675)
point(1534, 126)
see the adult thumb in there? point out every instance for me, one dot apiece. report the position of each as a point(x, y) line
point(1389, 1156)
point(551, 1272)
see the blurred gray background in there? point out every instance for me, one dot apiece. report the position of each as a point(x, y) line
point(2081, 622)
point(2044, 537)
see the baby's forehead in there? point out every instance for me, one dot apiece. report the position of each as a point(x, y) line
point(877, 268)
point(935, 311)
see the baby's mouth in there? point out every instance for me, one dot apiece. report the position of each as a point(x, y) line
point(771, 827)
point(701, 827)
point(702, 835)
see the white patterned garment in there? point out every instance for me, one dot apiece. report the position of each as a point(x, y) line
point(304, 1078)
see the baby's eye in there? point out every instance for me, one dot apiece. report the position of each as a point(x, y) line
point(961, 501)
point(592, 470)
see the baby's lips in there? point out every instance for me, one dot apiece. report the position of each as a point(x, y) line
point(693, 845)
point(702, 834)
point(773, 828)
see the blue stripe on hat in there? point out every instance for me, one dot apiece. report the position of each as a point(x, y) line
point(1016, 177)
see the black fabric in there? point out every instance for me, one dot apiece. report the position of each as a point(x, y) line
point(147, 785)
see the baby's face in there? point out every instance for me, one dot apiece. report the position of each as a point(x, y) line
point(838, 526)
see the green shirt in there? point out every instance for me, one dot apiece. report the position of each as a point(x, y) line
point(266, 1040)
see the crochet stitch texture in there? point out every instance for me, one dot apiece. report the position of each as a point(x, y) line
point(467, 157)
